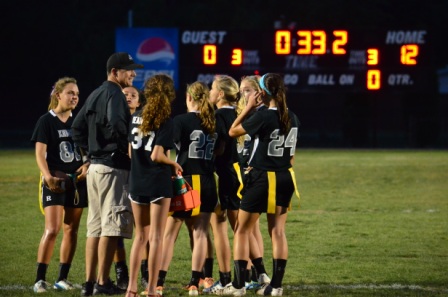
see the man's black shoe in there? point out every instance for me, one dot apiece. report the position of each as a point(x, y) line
point(108, 288)
point(122, 276)
point(87, 289)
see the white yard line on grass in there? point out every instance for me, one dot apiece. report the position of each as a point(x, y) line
point(366, 286)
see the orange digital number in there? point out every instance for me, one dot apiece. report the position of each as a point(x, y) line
point(372, 56)
point(282, 42)
point(408, 54)
point(373, 79)
point(341, 39)
point(304, 42)
point(237, 57)
point(315, 42)
point(319, 43)
point(209, 54)
point(311, 42)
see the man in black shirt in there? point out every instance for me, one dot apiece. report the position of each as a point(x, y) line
point(101, 129)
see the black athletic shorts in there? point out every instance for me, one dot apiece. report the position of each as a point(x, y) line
point(206, 185)
point(264, 190)
point(66, 199)
point(228, 185)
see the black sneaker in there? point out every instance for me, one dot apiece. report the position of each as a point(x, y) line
point(87, 289)
point(108, 288)
point(122, 276)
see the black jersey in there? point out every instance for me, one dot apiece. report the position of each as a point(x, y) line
point(245, 148)
point(194, 146)
point(225, 116)
point(228, 182)
point(62, 154)
point(144, 172)
point(272, 151)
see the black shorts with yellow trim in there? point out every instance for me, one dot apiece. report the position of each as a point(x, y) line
point(228, 188)
point(72, 197)
point(206, 186)
point(264, 190)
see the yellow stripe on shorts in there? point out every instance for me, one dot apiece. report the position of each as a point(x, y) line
point(39, 196)
point(218, 210)
point(196, 184)
point(272, 185)
point(237, 168)
point(296, 189)
point(272, 189)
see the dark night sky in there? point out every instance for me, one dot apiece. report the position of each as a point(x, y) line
point(45, 40)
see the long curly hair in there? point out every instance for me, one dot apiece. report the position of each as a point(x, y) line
point(275, 85)
point(159, 93)
point(58, 88)
point(200, 93)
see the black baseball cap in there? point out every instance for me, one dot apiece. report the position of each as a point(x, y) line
point(122, 60)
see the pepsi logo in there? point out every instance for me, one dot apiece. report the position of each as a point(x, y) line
point(155, 49)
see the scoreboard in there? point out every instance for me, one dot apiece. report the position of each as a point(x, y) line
point(311, 59)
point(349, 85)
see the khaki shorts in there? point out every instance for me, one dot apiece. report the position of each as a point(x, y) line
point(110, 212)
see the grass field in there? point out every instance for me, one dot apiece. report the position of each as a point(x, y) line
point(370, 223)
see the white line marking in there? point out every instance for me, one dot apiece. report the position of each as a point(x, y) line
point(367, 286)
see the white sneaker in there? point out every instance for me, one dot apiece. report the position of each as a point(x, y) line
point(264, 279)
point(193, 291)
point(63, 285)
point(267, 290)
point(217, 287)
point(253, 285)
point(41, 286)
point(230, 290)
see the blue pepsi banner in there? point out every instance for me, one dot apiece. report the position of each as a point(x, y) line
point(156, 48)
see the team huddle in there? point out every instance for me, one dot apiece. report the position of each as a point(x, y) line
point(235, 145)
